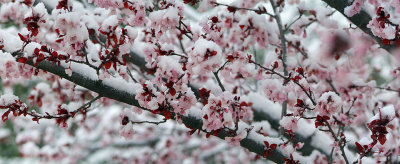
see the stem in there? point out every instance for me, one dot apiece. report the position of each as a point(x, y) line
point(149, 122)
point(332, 86)
point(130, 75)
point(337, 140)
point(282, 36)
point(331, 154)
point(284, 53)
point(219, 81)
point(87, 104)
point(241, 8)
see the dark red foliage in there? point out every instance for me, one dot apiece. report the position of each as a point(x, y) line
point(22, 60)
point(291, 160)
point(27, 2)
point(360, 148)
point(320, 120)
point(214, 19)
point(231, 9)
point(300, 71)
point(269, 149)
point(32, 23)
point(63, 4)
point(107, 65)
point(167, 114)
point(378, 129)
point(125, 120)
point(192, 2)
point(4, 117)
point(22, 37)
point(300, 103)
point(18, 108)
point(386, 41)
point(204, 94)
point(172, 91)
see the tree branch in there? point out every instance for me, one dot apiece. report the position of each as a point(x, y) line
point(361, 20)
point(124, 96)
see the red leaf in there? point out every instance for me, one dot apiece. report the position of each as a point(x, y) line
point(385, 41)
point(266, 143)
point(398, 42)
point(208, 135)
point(35, 119)
point(4, 117)
point(37, 51)
point(54, 53)
point(213, 53)
point(360, 148)
point(172, 91)
point(205, 117)
point(231, 9)
point(35, 31)
point(169, 84)
point(21, 37)
point(230, 58)
point(125, 120)
point(300, 70)
point(167, 114)
point(312, 12)
point(216, 132)
point(22, 60)
point(62, 111)
point(382, 139)
point(107, 65)
point(214, 19)
point(273, 146)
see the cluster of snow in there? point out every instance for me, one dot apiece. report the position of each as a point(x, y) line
point(205, 57)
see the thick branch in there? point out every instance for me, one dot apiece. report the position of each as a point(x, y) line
point(129, 98)
point(361, 20)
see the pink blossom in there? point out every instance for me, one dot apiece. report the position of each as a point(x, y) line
point(289, 123)
point(328, 103)
point(235, 141)
point(354, 8)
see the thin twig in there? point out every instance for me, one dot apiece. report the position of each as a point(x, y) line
point(339, 141)
point(219, 81)
point(149, 122)
point(329, 81)
point(130, 75)
point(288, 26)
point(241, 8)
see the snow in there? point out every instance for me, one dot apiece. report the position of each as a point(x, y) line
point(218, 148)
point(4, 133)
point(322, 141)
point(121, 84)
point(30, 49)
point(197, 58)
point(261, 103)
point(11, 43)
point(8, 99)
point(50, 3)
point(388, 112)
point(39, 10)
point(132, 32)
point(29, 149)
point(109, 23)
point(306, 129)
